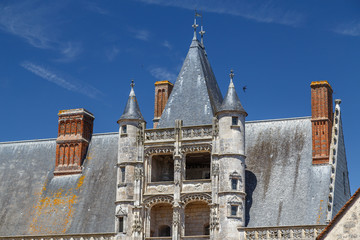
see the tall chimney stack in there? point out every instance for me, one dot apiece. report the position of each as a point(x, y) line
point(74, 134)
point(162, 93)
point(322, 120)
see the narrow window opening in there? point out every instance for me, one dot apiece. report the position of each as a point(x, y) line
point(206, 229)
point(234, 210)
point(235, 121)
point(122, 170)
point(124, 129)
point(121, 224)
point(234, 183)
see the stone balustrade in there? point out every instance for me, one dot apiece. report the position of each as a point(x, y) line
point(84, 236)
point(194, 132)
point(160, 135)
point(285, 232)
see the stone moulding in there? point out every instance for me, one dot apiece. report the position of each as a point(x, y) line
point(194, 197)
point(151, 201)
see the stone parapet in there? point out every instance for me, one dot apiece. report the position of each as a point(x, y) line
point(305, 232)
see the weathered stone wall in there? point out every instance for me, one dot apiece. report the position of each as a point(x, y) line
point(347, 226)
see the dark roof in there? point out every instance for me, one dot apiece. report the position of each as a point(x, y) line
point(339, 215)
point(196, 95)
point(132, 110)
point(283, 187)
point(231, 101)
point(33, 201)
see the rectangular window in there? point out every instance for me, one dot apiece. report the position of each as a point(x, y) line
point(122, 169)
point(124, 130)
point(235, 121)
point(121, 224)
point(234, 184)
point(234, 210)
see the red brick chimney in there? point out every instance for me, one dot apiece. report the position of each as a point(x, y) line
point(74, 134)
point(162, 93)
point(322, 118)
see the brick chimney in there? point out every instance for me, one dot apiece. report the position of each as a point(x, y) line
point(74, 134)
point(322, 118)
point(162, 93)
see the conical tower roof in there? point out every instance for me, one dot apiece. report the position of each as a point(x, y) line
point(231, 101)
point(196, 96)
point(132, 110)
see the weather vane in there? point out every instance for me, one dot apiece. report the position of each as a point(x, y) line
point(195, 25)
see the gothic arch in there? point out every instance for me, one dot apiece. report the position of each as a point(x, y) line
point(196, 197)
point(151, 201)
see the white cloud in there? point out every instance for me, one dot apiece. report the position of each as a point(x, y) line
point(112, 53)
point(36, 24)
point(266, 12)
point(162, 74)
point(140, 34)
point(351, 29)
point(167, 44)
point(91, 6)
point(50, 76)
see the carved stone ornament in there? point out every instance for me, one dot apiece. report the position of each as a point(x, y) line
point(177, 166)
point(215, 169)
point(214, 219)
point(196, 148)
point(158, 150)
point(215, 126)
point(193, 197)
point(176, 219)
point(120, 212)
point(137, 226)
point(151, 201)
point(138, 174)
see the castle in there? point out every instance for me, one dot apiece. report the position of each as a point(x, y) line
point(202, 172)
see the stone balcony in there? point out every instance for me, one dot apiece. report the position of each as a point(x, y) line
point(188, 186)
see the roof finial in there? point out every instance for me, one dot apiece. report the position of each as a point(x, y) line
point(231, 75)
point(195, 25)
point(132, 84)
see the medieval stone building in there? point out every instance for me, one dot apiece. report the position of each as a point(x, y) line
point(202, 172)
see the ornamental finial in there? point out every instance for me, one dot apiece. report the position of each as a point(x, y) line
point(132, 83)
point(231, 74)
point(195, 25)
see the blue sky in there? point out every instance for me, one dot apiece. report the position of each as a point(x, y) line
point(70, 54)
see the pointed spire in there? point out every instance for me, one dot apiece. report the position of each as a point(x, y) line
point(132, 110)
point(231, 101)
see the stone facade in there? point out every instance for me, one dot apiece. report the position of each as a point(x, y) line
point(346, 224)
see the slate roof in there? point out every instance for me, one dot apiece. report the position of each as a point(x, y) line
point(196, 96)
point(231, 101)
point(282, 185)
point(33, 201)
point(132, 109)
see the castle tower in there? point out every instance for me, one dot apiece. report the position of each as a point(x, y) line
point(128, 221)
point(230, 196)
